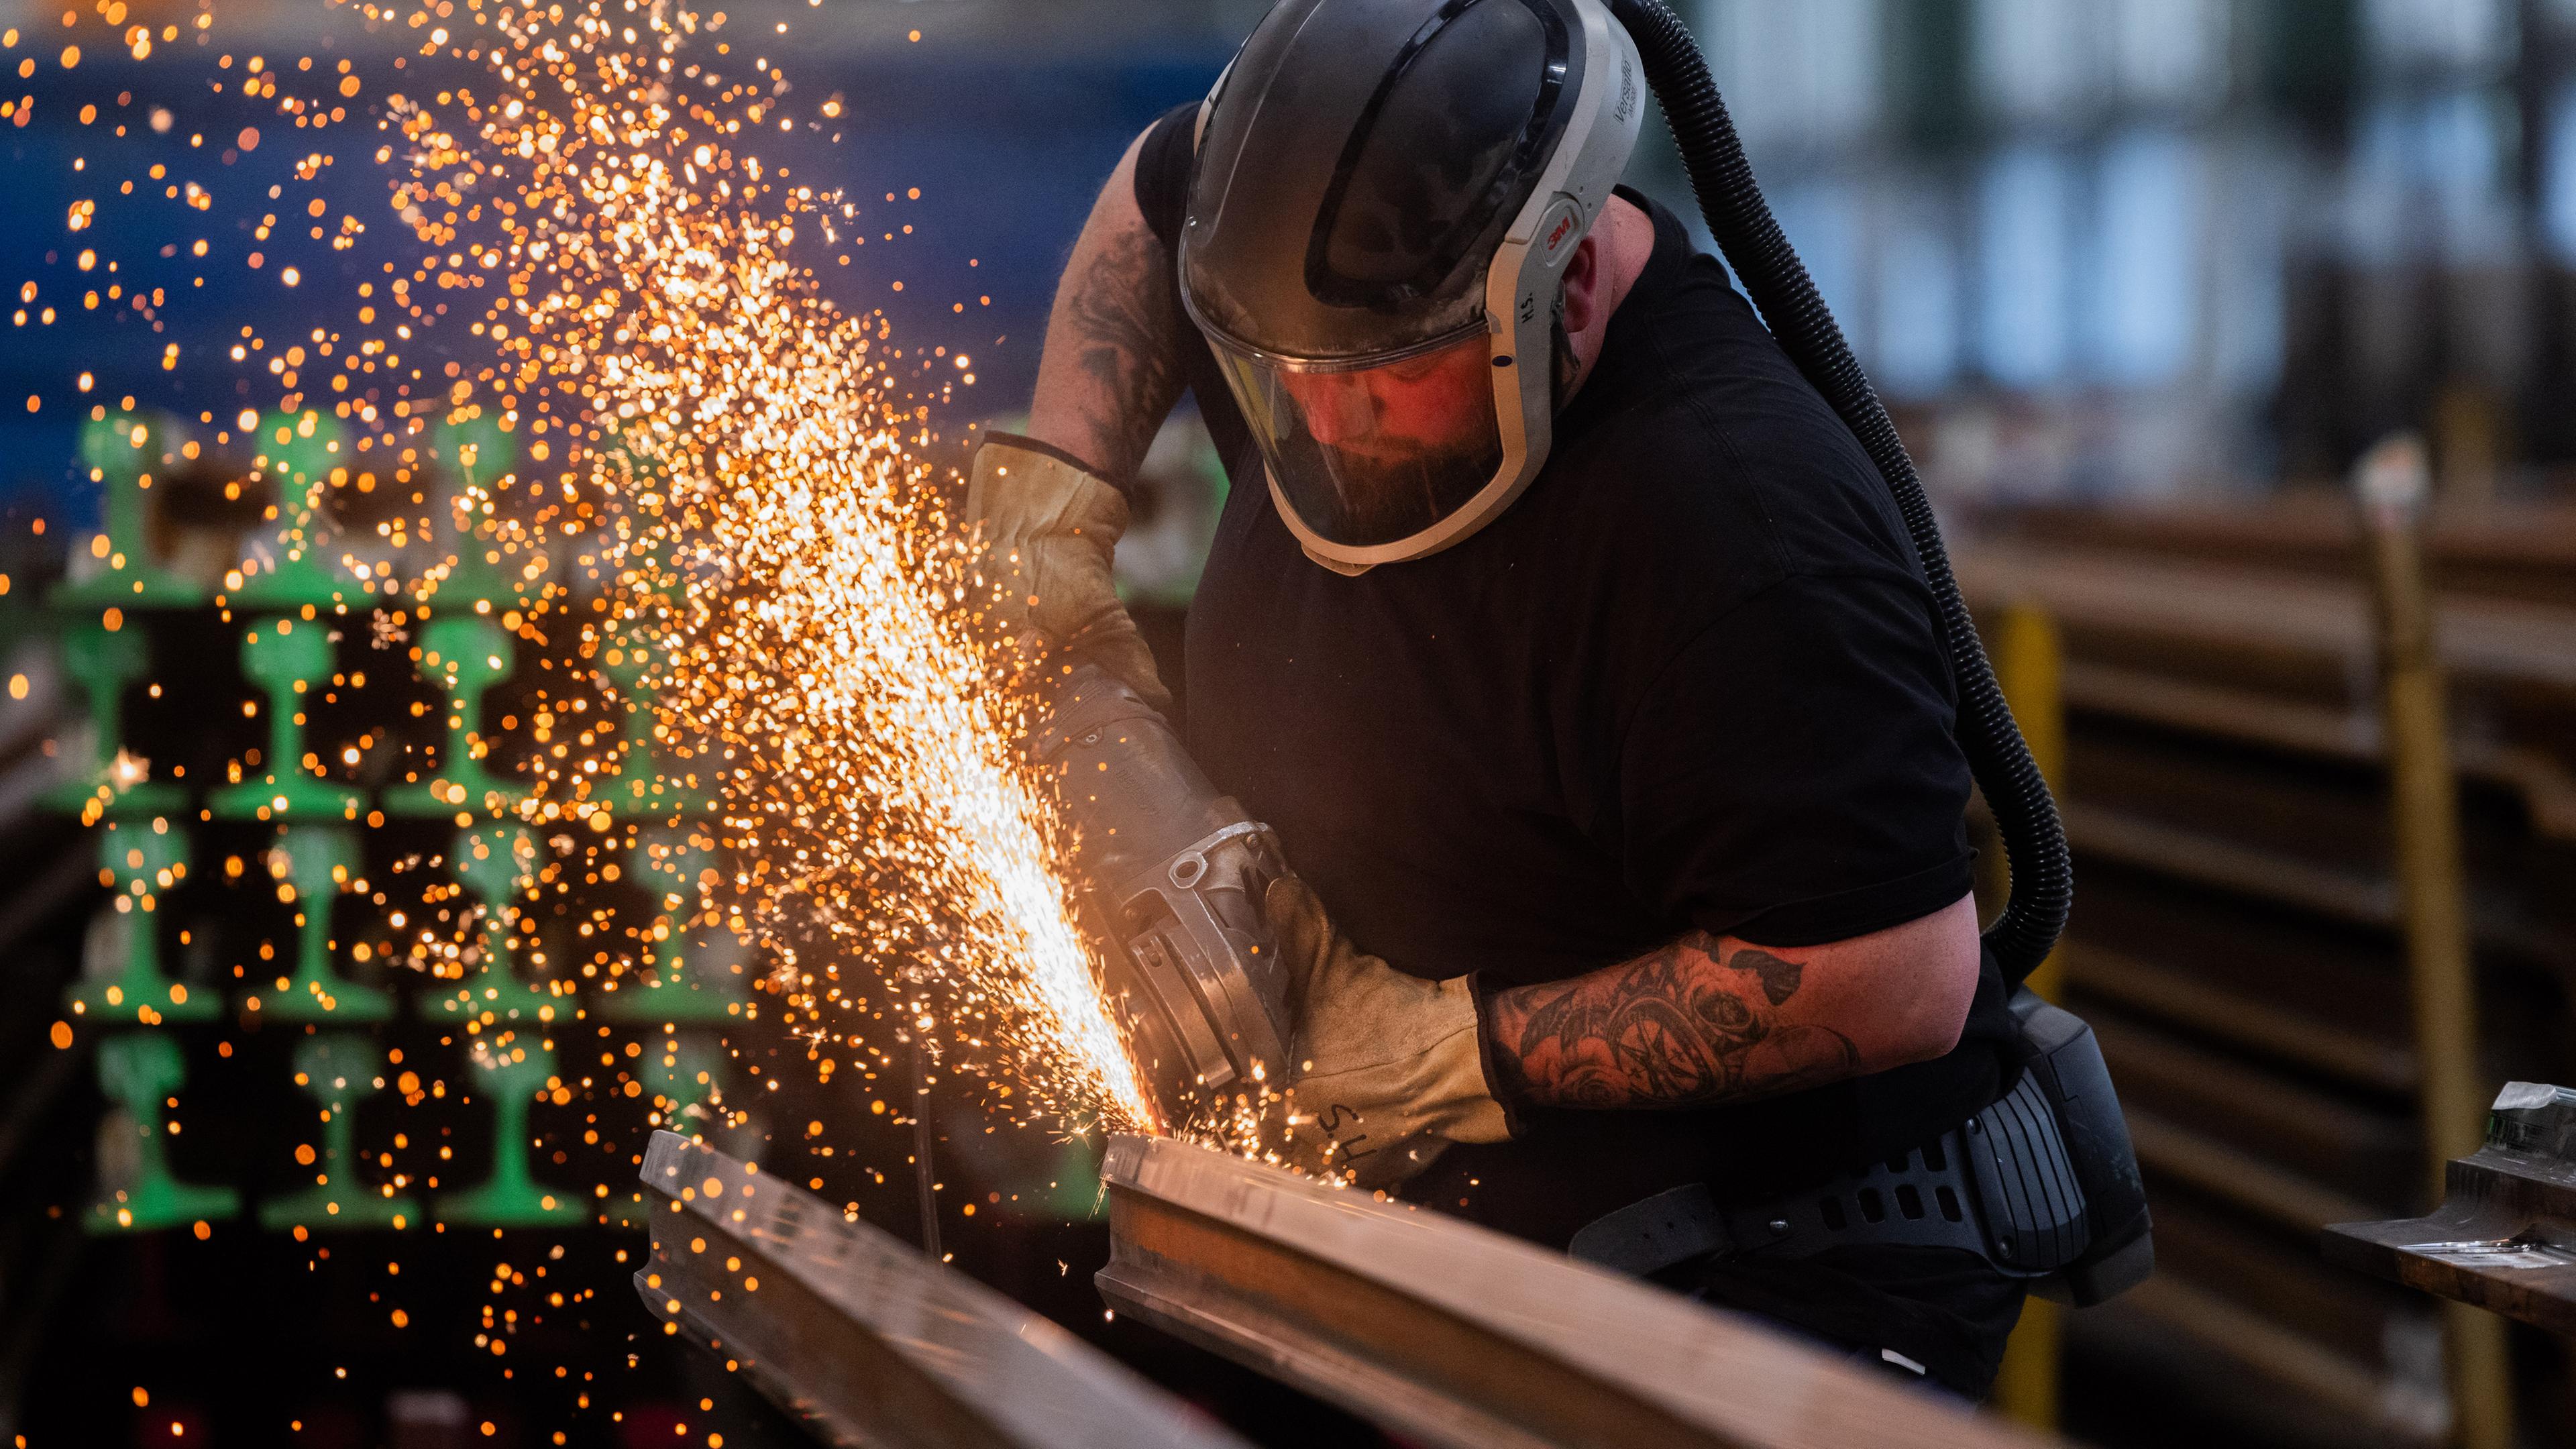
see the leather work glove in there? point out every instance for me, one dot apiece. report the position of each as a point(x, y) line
point(1388, 1068)
point(1049, 529)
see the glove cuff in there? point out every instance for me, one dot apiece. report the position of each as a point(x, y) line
point(1501, 1083)
point(1018, 442)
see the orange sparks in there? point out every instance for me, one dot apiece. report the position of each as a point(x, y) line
point(776, 549)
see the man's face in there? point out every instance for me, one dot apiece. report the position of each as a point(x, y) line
point(1393, 448)
point(1437, 405)
point(1375, 455)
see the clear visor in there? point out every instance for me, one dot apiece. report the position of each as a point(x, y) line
point(1371, 455)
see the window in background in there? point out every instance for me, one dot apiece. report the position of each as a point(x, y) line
point(2426, 178)
point(2039, 60)
point(1795, 75)
point(2372, 210)
point(2254, 186)
point(2409, 35)
point(2025, 209)
point(2170, 54)
point(1918, 334)
point(2139, 309)
point(2465, 135)
point(2558, 181)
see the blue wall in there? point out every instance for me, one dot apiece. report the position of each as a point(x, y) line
point(1008, 152)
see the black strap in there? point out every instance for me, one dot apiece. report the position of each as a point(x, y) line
point(1028, 444)
point(1163, 172)
point(1652, 1235)
point(1163, 165)
point(1998, 1185)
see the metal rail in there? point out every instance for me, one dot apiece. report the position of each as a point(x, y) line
point(2504, 1238)
point(1449, 1334)
point(868, 1341)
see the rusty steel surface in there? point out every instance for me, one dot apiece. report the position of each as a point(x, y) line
point(2504, 1238)
point(1449, 1334)
point(868, 1341)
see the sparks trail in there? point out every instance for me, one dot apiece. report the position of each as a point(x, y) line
point(767, 536)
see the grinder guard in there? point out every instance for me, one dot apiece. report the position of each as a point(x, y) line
point(1170, 878)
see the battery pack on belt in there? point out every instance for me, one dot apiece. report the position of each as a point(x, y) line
point(1998, 1185)
point(2043, 1185)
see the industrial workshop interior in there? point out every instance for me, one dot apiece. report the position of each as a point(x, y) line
point(1415, 723)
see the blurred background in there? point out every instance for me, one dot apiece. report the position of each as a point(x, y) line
point(2142, 281)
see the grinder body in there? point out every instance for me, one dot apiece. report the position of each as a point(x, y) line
point(1169, 880)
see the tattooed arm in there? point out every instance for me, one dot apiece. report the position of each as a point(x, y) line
point(1111, 367)
point(1713, 1019)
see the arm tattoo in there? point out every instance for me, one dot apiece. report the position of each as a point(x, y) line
point(1111, 367)
point(1689, 1025)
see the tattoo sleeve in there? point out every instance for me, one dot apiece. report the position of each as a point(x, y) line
point(1701, 1021)
point(1110, 370)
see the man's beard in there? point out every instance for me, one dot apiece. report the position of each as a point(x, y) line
point(1381, 498)
point(1378, 497)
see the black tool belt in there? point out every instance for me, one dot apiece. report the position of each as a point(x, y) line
point(1998, 1185)
point(2003, 1185)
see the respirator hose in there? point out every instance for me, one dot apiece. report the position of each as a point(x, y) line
point(2025, 815)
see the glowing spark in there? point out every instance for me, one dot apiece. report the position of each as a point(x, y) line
point(129, 769)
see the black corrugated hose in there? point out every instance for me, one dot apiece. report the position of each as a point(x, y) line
point(2043, 883)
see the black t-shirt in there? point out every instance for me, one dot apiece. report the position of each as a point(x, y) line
point(1691, 678)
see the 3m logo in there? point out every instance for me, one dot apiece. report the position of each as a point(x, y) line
point(1556, 238)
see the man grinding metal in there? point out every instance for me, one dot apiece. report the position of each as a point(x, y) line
point(1575, 650)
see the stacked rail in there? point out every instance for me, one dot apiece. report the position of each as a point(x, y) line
point(2238, 938)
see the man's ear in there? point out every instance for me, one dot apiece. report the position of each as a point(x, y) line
point(1583, 286)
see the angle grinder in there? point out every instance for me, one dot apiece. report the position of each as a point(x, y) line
point(1170, 876)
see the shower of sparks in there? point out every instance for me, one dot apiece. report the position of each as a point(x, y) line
point(718, 501)
point(683, 474)
point(773, 549)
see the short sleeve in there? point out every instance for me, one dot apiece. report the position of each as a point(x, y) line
point(1790, 777)
point(1163, 171)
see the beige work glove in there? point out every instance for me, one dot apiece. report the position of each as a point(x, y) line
point(1049, 528)
point(1386, 1069)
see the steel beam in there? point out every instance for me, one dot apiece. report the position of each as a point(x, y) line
point(867, 1340)
point(2504, 1238)
point(1449, 1334)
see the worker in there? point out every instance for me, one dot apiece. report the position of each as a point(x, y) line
point(1568, 640)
